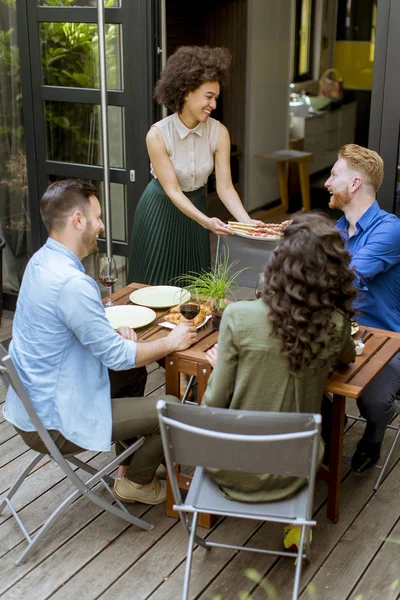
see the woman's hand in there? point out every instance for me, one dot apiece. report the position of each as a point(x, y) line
point(217, 226)
point(211, 355)
point(127, 333)
point(256, 222)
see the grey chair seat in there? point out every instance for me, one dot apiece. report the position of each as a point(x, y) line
point(205, 496)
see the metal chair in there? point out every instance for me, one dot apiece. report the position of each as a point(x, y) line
point(236, 440)
point(251, 253)
point(9, 374)
point(395, 428)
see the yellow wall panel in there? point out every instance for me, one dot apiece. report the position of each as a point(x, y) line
point(355, 61)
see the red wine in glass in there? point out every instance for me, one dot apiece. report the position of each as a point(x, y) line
point(108, 281)
point(108, 275)
point(189, 310)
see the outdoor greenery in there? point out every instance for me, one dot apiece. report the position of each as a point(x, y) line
point(217, 284)
point(69, 55)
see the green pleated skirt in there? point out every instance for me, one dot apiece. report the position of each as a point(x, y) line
point(166, 244)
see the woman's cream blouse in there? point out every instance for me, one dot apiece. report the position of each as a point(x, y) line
point(191, 150)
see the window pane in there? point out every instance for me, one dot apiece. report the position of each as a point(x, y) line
point(73, 132)
point(118, 206)
point(70, 55)
point(118, 209)
point(15, 226)
point(108, 3)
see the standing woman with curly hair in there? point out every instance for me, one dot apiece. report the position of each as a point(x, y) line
point(170, 235)
point(275, 353)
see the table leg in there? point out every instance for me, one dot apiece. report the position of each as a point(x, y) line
point(305, 186)
point(335, 465)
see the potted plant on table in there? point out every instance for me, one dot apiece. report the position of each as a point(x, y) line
point(215, 288)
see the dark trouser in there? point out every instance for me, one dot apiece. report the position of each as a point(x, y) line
point(131, 418)
point(376, 403)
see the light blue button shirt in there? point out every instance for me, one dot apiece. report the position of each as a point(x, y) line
point(62, 347)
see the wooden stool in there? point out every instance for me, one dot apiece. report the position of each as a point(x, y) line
point(281, 157)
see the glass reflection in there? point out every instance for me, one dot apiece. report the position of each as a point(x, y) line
point(70, 55)
point(73, 132)
point(107, 3)
point(15, 227)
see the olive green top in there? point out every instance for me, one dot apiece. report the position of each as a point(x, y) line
point(252, 374)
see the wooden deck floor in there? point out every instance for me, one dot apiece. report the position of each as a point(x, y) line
point(88, 554)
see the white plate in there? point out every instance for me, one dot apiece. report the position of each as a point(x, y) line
point(131, 316)
point(270, 238)
point(169, 325)
point(159, 296)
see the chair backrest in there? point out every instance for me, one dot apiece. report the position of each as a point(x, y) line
point(3, 375)
point(253, 254)
point(7, 369)
point(237, 440)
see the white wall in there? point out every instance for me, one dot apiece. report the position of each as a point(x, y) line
point(269, 51)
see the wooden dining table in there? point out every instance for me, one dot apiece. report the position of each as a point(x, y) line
point(345, 381)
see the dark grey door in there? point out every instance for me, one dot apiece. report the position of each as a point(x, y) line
point(385, 108)
point(60, 73)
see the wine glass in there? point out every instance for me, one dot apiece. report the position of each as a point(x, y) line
point(108, 275)
point(189, 304)
point(260, 285)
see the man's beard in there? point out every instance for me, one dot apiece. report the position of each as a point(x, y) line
point(339, 200)
point(89, 241)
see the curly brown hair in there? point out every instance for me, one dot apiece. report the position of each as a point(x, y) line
point(187, 69)
point(307, 279)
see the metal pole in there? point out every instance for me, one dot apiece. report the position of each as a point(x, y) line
point(164, 110)
point(104, 125)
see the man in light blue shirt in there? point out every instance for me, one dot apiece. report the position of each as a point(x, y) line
point(63, 347)
point(372, 237)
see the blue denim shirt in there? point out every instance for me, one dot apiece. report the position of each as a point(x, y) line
point(375, 256)
point(62, 347)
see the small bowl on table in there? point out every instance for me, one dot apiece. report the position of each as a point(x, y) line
point(359, 346)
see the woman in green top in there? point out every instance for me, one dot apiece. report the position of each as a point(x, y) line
point(275, 353)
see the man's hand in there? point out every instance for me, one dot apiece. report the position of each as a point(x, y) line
point(127, 333)
point(211, 355)
point(182, 336)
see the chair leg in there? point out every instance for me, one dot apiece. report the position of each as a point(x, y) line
point(283, 186)
point(88, 468)
point(20, 480)
point(188, 388)
point(378, 481)
point(297, 575)
point(185, 593)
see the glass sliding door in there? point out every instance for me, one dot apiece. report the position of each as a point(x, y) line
point(61, 62)
point(15, 224)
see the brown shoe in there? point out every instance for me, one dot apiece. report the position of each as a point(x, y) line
point(154, 493)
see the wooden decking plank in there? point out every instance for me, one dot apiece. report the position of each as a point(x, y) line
point(357, 547)
point(12, 449)
point(64, 554)
point(96, 576)
point(163, 569)
point(7, 431)
point(155, 381)
point(382, 571)
point(355, 494)
point(37, 498)
point(9, 473)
